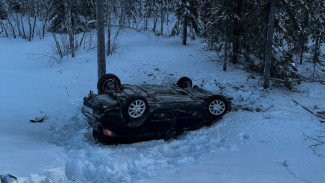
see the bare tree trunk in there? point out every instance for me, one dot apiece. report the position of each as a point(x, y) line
point(44, 27)
point(269, 44)
point(184, 37)
point(155, 16)
point(162, 17)
point(70, 27)
point(226, 50)
point(44, 17)
point(18, 26)
point(34, 25)
point(4, 28)
point(31, 12)
point(146, 7)
point(226, 39)
point(82, 38)
point(29, 26)
point(12, 28)
point(303, 37)
point(22, 26)
point(302, 50)
point(58, 47)
point(185, 19)
point(109, 30)
point(237, 31)
point(1, 30)
point(101, 59)
point(316, 54)
point(140, 9)
point(316, 51)
point(121, 19)
point(167, 11)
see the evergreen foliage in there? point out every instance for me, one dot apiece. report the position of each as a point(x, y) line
point(188, 15)
point(81, 13)
point(299, 29)
point(3, 11)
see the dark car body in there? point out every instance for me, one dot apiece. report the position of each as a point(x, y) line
point(172, 110)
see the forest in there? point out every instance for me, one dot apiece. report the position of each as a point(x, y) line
point(268, 37)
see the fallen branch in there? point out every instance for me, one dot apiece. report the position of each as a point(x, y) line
point(66, 89)
point(248, 109)
point(315, 81)
point(51, 58)
point(268, 108)
point(318, 141)
point(310, 111)
point(284, 81)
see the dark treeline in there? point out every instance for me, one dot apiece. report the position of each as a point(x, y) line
point(236, 30)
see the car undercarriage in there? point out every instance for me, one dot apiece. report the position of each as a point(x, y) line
point(131, 113)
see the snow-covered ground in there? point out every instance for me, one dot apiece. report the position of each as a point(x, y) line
point(245, 146)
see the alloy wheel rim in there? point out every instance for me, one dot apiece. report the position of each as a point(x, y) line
point(137, 108)
point(217, 107)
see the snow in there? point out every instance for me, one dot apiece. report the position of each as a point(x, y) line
point(245, 146)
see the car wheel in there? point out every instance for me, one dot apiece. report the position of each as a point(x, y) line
point(217, 106)
point(135, 110)
point(184, 82)
point(108, 83)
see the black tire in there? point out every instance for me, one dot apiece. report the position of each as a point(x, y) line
point(135, 110)
point(184, 82)
point(108, 83)
point(221, 103)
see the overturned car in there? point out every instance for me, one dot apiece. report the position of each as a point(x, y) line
point(131, 113)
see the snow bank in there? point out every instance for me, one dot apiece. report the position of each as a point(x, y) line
point(86, 160)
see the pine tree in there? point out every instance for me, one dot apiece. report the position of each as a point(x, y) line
point(188, 15)
point(317, 29)
point(57, 16)
point(3, 10)
point(81, 14)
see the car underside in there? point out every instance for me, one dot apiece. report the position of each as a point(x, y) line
point(131, 113)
